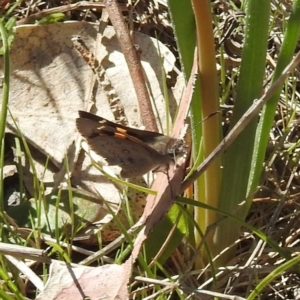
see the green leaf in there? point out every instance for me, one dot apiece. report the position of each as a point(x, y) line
point(52, 18)
point(160, 234)
point(237, 160)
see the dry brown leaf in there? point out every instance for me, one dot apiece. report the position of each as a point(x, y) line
point(66, 282)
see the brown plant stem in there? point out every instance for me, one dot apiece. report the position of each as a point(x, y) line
point(134, 64)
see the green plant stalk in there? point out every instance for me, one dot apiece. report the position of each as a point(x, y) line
point(38, 187)
point(19, 167)
point(5, 296)
point(2, 180)
point(59, 250)
point(209, 104)
point(184, 27)
point(122, 254)
point(237, 159)
point(7, 279)
point(57, 232)
point(125, 206)
point(122, 182)
point(165, 89)
point(71, 205)
point(183, 22)
point(5, 97)
point(290, 40)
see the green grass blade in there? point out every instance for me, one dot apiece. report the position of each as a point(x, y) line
point(10, 284)
point(5, 97)
point(237, 160)
point(183, 21)
point(289, 44)
point(207, 188)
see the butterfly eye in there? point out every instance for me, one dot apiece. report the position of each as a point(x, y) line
point(178, 148)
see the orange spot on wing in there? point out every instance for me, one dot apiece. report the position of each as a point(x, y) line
point(121, 130)
point(120, 135)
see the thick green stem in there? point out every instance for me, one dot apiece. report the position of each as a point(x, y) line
point(237, 160)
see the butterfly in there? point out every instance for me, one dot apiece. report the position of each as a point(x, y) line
point(136, 151)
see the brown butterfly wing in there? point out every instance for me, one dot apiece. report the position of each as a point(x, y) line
point(134, 156)
point(161, 143)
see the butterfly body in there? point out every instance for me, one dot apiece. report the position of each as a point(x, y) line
point(136, 151)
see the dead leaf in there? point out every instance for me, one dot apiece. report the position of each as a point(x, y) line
point(66, 282)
